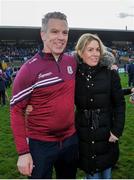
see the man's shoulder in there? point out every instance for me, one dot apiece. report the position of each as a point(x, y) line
point(68, 56)
point(30, 66)
point(33, 60)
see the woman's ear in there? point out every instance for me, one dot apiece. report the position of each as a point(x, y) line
point(79, 53)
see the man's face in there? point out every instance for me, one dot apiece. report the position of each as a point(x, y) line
point(56, 36)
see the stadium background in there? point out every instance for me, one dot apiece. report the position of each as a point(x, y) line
point(118, 40)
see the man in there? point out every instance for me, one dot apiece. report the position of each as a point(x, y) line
point(47, 137)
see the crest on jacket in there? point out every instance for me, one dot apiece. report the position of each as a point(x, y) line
point(69, 70)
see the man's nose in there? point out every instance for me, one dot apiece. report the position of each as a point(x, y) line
point(61, 35)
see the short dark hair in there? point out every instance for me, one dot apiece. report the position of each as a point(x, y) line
point(52, 15)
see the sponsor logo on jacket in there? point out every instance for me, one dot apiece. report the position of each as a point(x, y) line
point(41, 75)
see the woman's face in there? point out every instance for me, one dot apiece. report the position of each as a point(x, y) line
point(91, 53)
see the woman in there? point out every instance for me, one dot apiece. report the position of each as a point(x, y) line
point(100, 109)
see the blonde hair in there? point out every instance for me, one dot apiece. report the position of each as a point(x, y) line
point(85, 39)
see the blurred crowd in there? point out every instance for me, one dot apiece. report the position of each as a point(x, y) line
point(21, 51)
point(7, 75)
point(13, 51)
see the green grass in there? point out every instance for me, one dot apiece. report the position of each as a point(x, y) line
point(123, 170)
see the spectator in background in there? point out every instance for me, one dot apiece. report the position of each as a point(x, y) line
point(8, 75)
point(126, 68)
point(47, 82)
point(100, 109)
point(1, 66)
point(130, 70)
point(2, 89)
point(15, 70)
point(4, 65)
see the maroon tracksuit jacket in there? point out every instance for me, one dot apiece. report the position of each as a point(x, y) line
point(49, 87)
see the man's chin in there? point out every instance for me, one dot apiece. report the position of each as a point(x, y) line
point(59, 52)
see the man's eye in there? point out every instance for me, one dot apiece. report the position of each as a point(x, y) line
point(54, 32)
point(65, 32)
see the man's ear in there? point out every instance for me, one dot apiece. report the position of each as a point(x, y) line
point(42, 34)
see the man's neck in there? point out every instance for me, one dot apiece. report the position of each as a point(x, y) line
point(56, 57)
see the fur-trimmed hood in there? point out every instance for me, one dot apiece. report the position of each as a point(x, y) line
point(107, 59)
